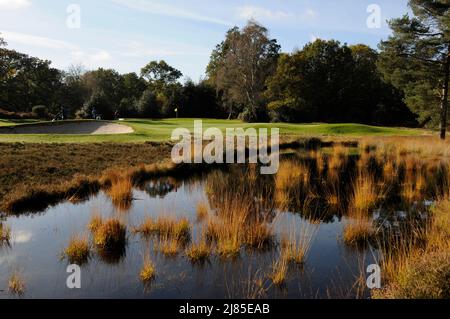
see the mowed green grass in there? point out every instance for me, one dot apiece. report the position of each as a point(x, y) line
point(16, 122)
point(161, 130)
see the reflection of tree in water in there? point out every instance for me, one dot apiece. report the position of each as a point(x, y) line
point(286, 191)
point(402, 220)
point(161, 187)
point(113, 255)
point(241, 184)
point(317, 186)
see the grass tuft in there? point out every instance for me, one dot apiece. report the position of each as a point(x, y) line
point(111, 234)
point(78, 250)
point(5, 234)
point(148, 271)
point(199, 252)
point(16, 284)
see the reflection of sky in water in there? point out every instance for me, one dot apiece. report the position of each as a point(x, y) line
point(38, 241)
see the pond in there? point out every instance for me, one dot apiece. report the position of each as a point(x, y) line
point(307, 205)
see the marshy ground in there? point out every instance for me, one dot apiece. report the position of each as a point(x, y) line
point(157, 231)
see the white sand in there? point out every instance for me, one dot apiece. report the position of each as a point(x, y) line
point(88, 127)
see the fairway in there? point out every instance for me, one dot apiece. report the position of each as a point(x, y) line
point(160, 131)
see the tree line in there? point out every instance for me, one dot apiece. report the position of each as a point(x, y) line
point(405, 82)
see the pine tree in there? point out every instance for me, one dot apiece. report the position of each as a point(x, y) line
point(416, 58)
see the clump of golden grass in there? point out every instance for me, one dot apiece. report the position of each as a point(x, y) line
point(413, 187)
point(424, 277)
point(332, 200)
point(199, 252)
point(389, 171)
point(78, 250)
point(237, 224)
point(16, 284)
point(338, 157)
point(166, 226)
point(359, 232)
point(254, 285)
point(331, 195)
point(295, 248)
point(5, 234)
point(259, 235)
point(148, 271)
point(110, 234)
point(95, 222)
point(419, 271)
point(202, 211)
point(438, 232)
point(364, 161)
point(289, 175)
point(169, 246)
point(227, 236)
point(279, 272)
point(365, 193)
point(121, 193)
point(318, 157)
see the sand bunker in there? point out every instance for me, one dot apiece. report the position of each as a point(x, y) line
point(87, 127)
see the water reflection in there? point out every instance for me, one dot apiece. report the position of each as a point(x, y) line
point(254, 218)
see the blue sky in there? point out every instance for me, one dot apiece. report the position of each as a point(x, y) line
point(127, 34)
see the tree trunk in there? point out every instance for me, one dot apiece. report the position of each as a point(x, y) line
point(444, 102)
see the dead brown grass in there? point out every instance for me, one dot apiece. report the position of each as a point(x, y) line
point(48, 173)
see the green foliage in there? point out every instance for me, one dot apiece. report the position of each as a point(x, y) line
point(98, 105)
point(41, 111)
point(414, 58)
point(148, 106)
point(330, 82)
point(27, 81)
point(198, 100)
point(239, 67)
point(160, 73)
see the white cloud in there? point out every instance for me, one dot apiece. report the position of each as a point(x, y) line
point(89, 58)
point(137, 49)
point(310, 13)
point(313, 38)
point(164, 9)
point(14, 4)
point(260, 13)
point(22, 237)
point(36, 41)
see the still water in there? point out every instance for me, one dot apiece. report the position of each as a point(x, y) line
point(38, 240)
